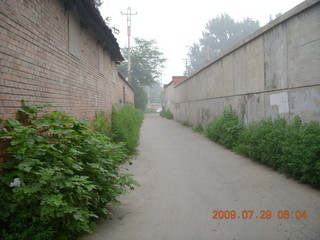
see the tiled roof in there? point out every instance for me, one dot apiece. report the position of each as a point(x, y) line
point(91, 15)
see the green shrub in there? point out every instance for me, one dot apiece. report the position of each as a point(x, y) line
point(301, 152)
point(166, 113)
point(198, 128)
point(102, 123)
point(262, 140)
point(126, 123)
point(289, 146)
point(225, 129)
point(59, 177)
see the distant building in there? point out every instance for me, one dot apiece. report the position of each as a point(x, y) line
point(59, 53)
point(168, 95)
point(178, 79)
point(125, 91)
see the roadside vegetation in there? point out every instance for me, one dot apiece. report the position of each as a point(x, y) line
point(166, 113)
point(289, 146)
point(126, 123)
point(198, 128)
point(61, 172)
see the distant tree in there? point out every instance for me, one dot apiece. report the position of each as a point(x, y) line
point(140, 98)
point(276, 16)
point(147, 62)
point(155, 93)
point(220, 34)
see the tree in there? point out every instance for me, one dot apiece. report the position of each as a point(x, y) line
point(220, 34)
point(147, 63)
point(140, 98)
point(276, 16)
point(155, 93)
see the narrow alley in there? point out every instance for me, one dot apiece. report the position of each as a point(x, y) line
point(186, 180)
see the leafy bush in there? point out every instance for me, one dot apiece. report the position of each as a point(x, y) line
point(301, 152)
point(292, 147)
point(225, 129)
point(59, 177)
point(102, 123)
point(262, 140)
point(126, 123)
point(166, 113)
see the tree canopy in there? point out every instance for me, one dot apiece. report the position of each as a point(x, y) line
point(147, 63)
point(220, 34)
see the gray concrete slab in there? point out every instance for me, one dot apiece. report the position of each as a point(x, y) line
point(185, 177)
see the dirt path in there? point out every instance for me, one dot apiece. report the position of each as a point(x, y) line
point(185, 177)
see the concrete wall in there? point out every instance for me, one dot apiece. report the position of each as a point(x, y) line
point(274, 72)
point(48, 57)
point(169, 97)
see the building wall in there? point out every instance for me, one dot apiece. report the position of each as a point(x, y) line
point(125, 93)
point(169, 97)
point(274, 72)
point(38, 62)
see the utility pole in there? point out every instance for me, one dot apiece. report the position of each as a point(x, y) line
point(186, 60)
point(129, 14)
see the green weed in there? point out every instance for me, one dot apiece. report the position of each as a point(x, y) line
point(126, 123)
point(225, 129)
point(290, 146)
point(166, 113)
point(198, 128)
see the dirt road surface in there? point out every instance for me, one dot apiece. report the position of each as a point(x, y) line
point(184, 177)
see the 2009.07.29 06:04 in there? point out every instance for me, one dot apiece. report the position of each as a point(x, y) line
point(262, 214)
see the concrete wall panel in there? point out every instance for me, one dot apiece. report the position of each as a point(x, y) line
point(277, 104)
point(227, 75)
point(304, 48)
point(255, 106)
point(239, 71)
point(305, 102)
point(273, 73)
point(255, 66)
point(275, 54)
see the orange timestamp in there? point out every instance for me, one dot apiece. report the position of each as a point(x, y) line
point(261, 214)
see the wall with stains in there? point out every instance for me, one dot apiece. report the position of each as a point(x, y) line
point(274, 72)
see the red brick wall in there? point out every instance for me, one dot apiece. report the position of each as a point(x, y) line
point(35, 63)
point(129, 93)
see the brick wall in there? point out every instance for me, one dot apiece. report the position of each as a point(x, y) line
point(124, 91)
point(35, 63)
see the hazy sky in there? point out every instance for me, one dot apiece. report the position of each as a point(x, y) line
point(177, 24)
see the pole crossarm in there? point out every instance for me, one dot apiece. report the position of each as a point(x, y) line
point(129, 14)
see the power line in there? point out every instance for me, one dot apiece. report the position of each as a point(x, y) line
point(129, 14)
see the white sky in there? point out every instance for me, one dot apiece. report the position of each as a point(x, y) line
point(177, 24)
